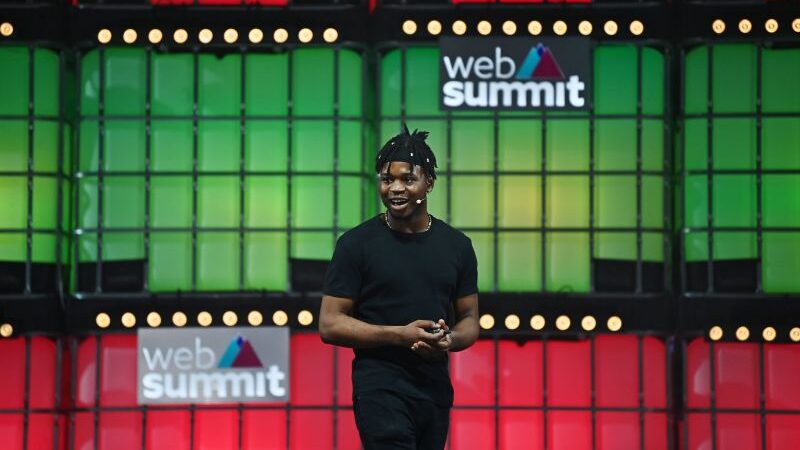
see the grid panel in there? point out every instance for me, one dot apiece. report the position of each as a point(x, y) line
point(557, 201)
point(740, 168)
point(179, 152)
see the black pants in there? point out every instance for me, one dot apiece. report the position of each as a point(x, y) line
point(387, 420)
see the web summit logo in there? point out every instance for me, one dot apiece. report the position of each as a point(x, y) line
point(177, 369)
point(497, 81)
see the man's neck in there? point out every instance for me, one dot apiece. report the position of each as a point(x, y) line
point(416, 223)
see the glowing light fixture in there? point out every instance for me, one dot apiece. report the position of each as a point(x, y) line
point(715, 333)
point(230, 318)
point(255, 36)
point(230, 36)
point(409, 27)
point(129, 36)
point(154, 319)
point(796, 25)
point(745, 26)
point(742, 333)
point(102, 320)
point(614, 323)
point(330, 35)
point(512, 321)
point(280, 35)
point(563, 323)
point(636, 27)
point(535, 27)
point(205, 36)
point(305, 318)
point(6, 29)
point(180, 36)
point(305, 35)
point(6, 330)
point(771, 25)
point(486, 321)
point(794, 334)
point(610, 27)
point(104, 36)
point(434, 27)
point(588, 323)
point(484, 27)
point(204, 319)
point(280, 318)
point(537, 322)
point(509, 27)
point(155, 36)
point(179, 319)
point(585, 27)
point(718, 26)
point(560, 27)
point(255, 318)
point(459, 27)
point(128, 320)
point(769, 334)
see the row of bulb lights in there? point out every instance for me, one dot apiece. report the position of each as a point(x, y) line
point(205, 319)
point(538, 322)
point(230, 36)
point(745, 26)
point(743, 333)
point(510, 28)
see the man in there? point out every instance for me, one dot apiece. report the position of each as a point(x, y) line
point(402, 291)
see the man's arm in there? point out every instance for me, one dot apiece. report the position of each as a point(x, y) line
point(464, 332)
point(338, 327)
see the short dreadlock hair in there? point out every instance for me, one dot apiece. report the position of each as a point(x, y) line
point(410, 148)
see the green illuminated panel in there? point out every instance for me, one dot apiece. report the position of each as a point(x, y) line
point(264, 254)
point(472, 145)
point(349, 193)
point(220, 87)
point(567, 265)
point(45, 146)
point(351, 83)
point(437, 198)
point(568, 145)
point(170, 146)
point(391, 81)
point(781, 200)
point(312, 201)
point(781, 70)
point(124, 146)
point(218, 145)
point(266, 84)
point(170, 201)
point(350, 138)
point(14, 95)
point(217, 261)
point(172, 77)
point(14, 150)
point(312, 245)
point(266, 146)
point(781, 262)
point(265, 201)
point(520, 202)
point(422, 82)
point(116, 247)
point(312, 82)
point(45, 83)
point(312, 146)
point(519, 262)
point(123, 202)
point(14, 192)
point(170, 262)
point(218, 201)
point(567, 201)
point(519, 144)
point(484, 252)
point(734, 90)
point(472, 201)
point(779, 142)
point(734, 144)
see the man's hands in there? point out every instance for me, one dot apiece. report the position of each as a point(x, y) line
point(436, 343)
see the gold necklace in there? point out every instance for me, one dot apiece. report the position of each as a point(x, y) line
point(389, 224)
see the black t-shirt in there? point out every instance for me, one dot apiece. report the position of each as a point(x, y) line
point(396, 278)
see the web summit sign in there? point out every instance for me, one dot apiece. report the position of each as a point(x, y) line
point(213, 365)
point(515, 73)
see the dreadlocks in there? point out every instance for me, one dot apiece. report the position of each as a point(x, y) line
point(410, 148)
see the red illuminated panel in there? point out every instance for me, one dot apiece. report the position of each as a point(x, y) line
point(520, 371)
point(344, 379)
point(43, 373)
point(12, 389)
point(118, 374)
point(698, 386)
point(569, 430)
point(311, 430)
point(655, 431)
point(471, 429)
point(312, 371)
point(521, 429)
point(783, 431)
point(738, 431)
point(264, 430)
point(736, 373)
point(215, 429)
point(472, 374)
point(41, 430)
point(655, 373)
point(11, 430)
point(781, 366)
point(120, 431)
point(618, 430)
point(568, 373)
point(82, 431)
point(167, 430)
point(85, 373)
point(346, 431)
point(221, 2)
point(617, 371)
point(699, 430)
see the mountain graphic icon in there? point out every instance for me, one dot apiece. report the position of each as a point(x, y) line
point(540, 63)
point(239, 354)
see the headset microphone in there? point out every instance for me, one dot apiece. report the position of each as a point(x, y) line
point(420, 200)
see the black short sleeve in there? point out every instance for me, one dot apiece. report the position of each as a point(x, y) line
point(468, 272)
point(343, 278)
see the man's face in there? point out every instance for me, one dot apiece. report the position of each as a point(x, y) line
point(400, 186)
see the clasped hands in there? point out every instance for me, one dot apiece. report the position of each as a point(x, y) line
point(428, 339)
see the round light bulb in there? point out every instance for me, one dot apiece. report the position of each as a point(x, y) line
point(305, 35)
point(409, 27)
point(588, 323)
point(230, 36)
point(794, 334)
point(305, 318)
point(102, 320)
point(459, 27)
point(280, 35)
point(180, 36)
point(204, 319)
point(104, 36)
point(718, 26)
point(637, 27)
point(560, 27)
point(771, 26)
point(484, 27)
point(255, 36)
point(255, 318)
point(6, 330)
point(715, 333)
point(230, 318)
point(537, 322)
point(330, 35)
point(128, 320)
point(486, 321)
point(205, 36)
point(585, 27)
point(509, 27)
point(769, 334)
point(745, 26)
point(512, 321)
point(154, 319)
point(179, 319)
point(535, 27)
point(563, 323)
point(610, 27)
point(6, 29)
point(614, 323)
point(155, 36)
point(742, 333)
point(280, 318)
point(129, 36)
